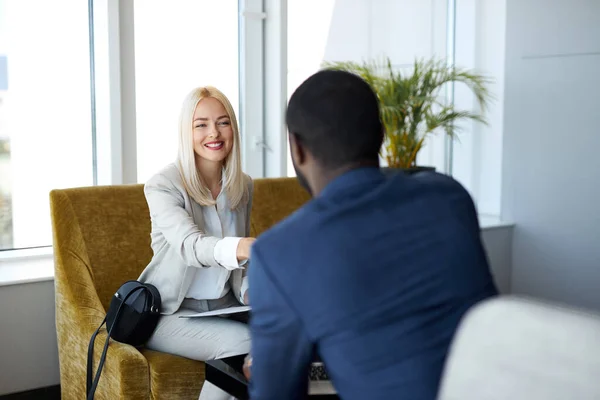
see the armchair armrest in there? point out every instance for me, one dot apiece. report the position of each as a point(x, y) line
point(125, 374)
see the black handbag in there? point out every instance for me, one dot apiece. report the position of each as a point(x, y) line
point(131, 318)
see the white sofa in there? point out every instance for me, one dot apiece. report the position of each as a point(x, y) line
point(512, 348)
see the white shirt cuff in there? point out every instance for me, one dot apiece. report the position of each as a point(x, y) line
point(226, 253)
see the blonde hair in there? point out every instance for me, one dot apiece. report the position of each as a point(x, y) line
point(234, 182)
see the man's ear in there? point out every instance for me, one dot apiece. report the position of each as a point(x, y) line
point(297, 149)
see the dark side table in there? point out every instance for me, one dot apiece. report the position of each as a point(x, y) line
point(227, 374)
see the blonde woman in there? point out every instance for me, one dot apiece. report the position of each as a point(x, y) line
point(200, 211)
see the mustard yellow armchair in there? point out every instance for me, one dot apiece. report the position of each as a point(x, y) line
point(102, 239)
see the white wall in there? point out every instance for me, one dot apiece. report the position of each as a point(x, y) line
point(497, 241)
point(551, 165)
point(28, 350)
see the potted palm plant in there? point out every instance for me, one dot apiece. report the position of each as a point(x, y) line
point(411, 105)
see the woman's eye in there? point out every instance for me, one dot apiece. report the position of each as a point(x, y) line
point(200, 126)
point(224, 123)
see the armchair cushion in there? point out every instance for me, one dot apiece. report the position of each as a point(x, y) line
point(275, 199)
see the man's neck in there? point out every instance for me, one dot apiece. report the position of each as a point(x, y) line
point(325, 176)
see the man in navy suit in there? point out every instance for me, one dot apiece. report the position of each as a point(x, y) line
point(374, 273)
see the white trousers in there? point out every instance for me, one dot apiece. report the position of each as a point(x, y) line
point(202, 339)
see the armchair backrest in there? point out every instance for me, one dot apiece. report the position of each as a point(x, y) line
point(106, 228)
point(274, 199)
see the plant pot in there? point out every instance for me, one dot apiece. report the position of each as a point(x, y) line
point(417, 169)
point(409, 171)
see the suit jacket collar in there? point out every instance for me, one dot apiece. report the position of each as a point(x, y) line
point(353, 178)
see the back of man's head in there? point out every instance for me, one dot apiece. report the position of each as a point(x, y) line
point(335, 115)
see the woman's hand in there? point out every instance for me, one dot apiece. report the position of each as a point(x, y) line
point(247, 365)
point(243, 249)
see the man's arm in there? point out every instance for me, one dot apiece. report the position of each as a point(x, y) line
point(281, 351)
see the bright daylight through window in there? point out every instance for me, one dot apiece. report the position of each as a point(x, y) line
point(46, 138)
point(45, 113)
point(190, 49)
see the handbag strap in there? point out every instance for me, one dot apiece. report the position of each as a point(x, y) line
point(90, 358)
point(91, 386)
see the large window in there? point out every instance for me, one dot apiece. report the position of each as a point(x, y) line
point(306, 48)
point(403, 30)
point(45, 113)
point(470, 34)
point(47, 140)
point(179, 45)
point(150, 53)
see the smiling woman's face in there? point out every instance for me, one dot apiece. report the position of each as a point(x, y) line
point(213, 133)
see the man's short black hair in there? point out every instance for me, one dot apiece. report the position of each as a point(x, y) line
point(335, 115)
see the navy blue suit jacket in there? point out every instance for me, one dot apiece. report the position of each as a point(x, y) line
point(373, 275)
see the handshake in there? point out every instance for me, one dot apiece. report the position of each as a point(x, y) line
point(243, 253)
point(244, 247)
point(247, 365)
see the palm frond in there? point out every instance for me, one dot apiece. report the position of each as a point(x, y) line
point(410, 103)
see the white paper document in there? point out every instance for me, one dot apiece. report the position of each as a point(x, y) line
point(216, 313)
point(320, 388)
